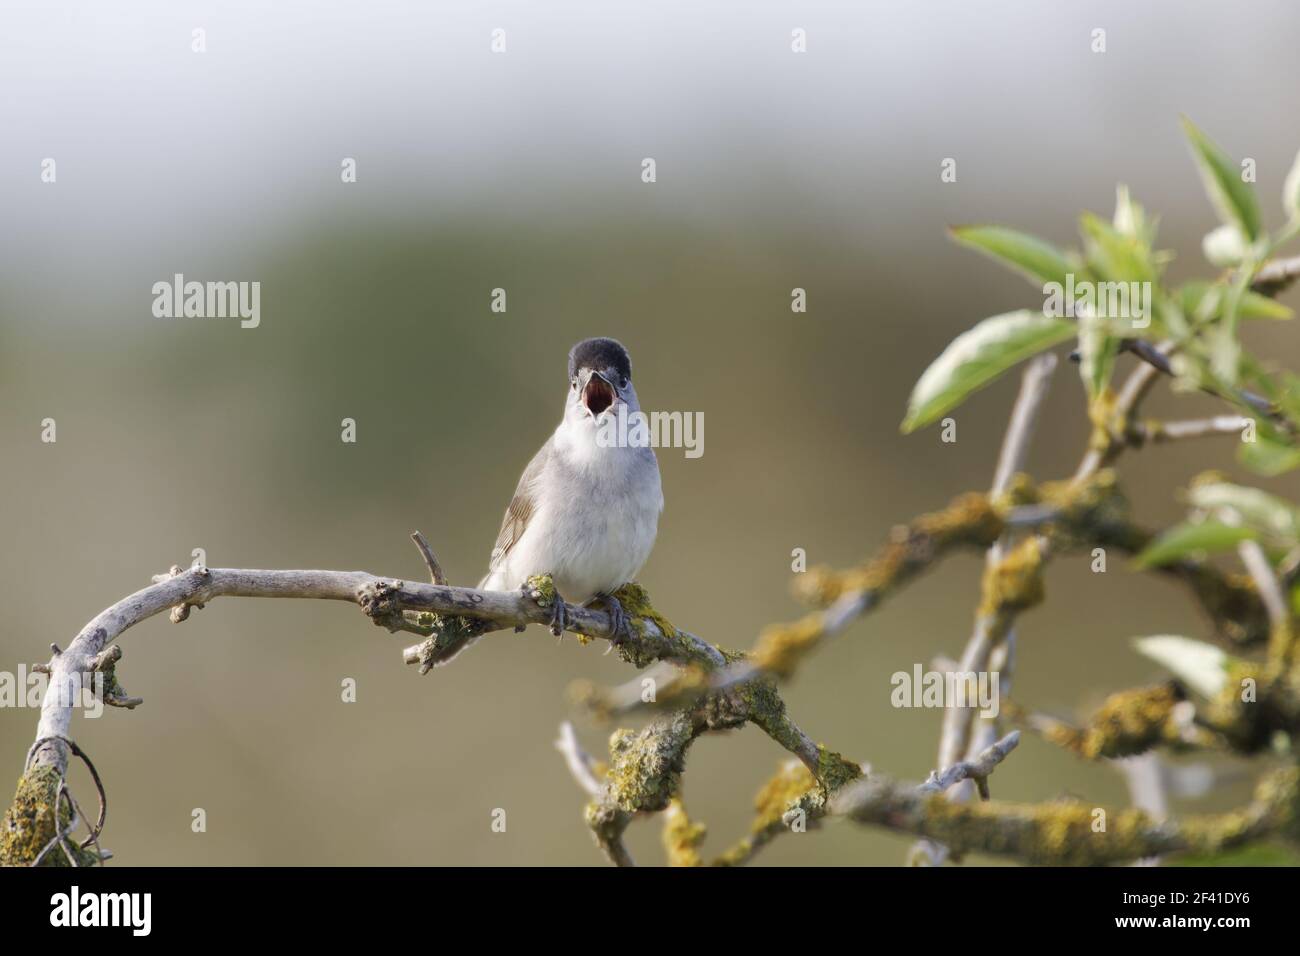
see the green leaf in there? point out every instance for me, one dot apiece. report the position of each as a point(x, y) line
point(1291, 191)
point(1200, 295)
point(1225, 351)
point(1233, 199)
point(1202, 667)
point(1256, 306)
point(1258, 509)
point(1267, 457)
point(1180, 541)
point(1097, 352)
point(1130, 218)
point(977, 357)
point(1285, 394)
point(1036, 259)
point(1114, 256)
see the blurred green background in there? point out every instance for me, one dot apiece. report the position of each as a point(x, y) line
point(522, 171)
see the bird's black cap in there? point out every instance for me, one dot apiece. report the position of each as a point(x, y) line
point(600, 354)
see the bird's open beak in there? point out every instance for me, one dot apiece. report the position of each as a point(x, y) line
point(597, 394)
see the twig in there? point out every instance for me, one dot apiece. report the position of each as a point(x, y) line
point(1159, 432)
point(1157, 359)
point(977, 769)
point(1135, 388)
point(430, 562)
point(606, 703)
point(1149, 353)
point(1276, 275)
point(1034, 385)
point(956, 738)
point(579, 762)
point(1261, 572)
point(1146, 787)
point(1282, 636)
point(825, 624)
point(60, 836)
point(992, 627)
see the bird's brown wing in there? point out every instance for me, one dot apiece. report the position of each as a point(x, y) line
point(521, 509)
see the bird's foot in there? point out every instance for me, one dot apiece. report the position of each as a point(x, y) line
point(559, 616)
point(620, 629)
point(541, 590)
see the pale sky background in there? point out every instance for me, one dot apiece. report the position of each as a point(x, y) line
point(161, 148)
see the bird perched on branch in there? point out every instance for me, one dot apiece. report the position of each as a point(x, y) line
point(586, 510)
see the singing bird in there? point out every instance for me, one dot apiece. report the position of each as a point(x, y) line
point(586, 510)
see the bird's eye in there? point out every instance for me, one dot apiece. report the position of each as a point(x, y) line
point(573, 383)
point(622, 383)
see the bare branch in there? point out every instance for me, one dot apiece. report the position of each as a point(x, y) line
point(1276, 275)
point(606, 703)
point(1261, 572)
point(977, 769)
point(1034, 385)
point(1160, 432)
point(1283, 635)
point(579, 762)
point(958, 736)
point(1146, 787)
point(1157, 359)
point(430, 562)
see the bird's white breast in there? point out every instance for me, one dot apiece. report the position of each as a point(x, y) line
point(598, 514)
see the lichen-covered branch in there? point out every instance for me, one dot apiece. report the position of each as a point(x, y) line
point(1070, 832)
point(1129, 723)
point(1068, 516)
point(794, 800)
point(645, 768)
point(644, 775)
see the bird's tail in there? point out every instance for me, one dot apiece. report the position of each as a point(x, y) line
point(445, 654)
point(455, 635)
